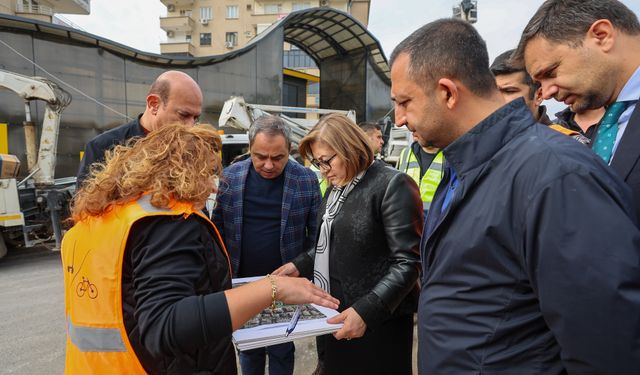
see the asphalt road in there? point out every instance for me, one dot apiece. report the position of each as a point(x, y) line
point(32, 333)
point(32, 325)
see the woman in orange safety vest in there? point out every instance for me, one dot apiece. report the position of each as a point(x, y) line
point(147, 279)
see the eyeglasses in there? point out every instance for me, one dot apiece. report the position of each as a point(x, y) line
point(326, 164)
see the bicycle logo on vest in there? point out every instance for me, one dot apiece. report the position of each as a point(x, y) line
point(86, 286)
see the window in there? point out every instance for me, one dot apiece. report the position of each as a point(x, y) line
point(300, 6)
point(313, 88)
point(188, 37)
point(205, 39)
point(205, 13)
point(232, 11)
point(272, 8)
point(231, 39)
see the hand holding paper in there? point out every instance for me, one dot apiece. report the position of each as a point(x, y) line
point(353, 327)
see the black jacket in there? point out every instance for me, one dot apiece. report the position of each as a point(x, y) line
point(535, 266)
point(175, 311)
point(566, 118)
point(94, 149)
point(374, 260)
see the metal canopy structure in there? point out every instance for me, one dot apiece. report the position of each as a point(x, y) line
point(109, 81)
point(324, 33)
point(321, 32)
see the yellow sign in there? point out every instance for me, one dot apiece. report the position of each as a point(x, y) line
point(4, 139)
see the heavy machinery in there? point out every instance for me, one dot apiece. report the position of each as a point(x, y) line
point(31, 209)
point(240, 115)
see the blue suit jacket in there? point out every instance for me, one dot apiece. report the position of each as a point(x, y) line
point(300, 201)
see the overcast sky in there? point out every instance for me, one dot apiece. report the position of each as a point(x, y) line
point(136, 23)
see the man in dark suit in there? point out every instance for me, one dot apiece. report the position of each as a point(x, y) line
point(266, 214)
point(592, 68)
point(173, 97)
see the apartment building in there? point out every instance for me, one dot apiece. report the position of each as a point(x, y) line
point(212, 27)
point(44, 10)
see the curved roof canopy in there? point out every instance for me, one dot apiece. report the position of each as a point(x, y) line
point(321, 32)
point(324, 33)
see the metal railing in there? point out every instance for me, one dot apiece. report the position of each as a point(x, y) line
point(33, 8)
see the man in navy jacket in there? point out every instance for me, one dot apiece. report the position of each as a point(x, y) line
point(530, 252)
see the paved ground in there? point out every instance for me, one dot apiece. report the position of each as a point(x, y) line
point(32, 329)
point(31, 314)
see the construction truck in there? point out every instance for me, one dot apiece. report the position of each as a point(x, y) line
point(31, 208)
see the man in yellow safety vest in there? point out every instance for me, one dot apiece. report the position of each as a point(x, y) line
point(424, 165)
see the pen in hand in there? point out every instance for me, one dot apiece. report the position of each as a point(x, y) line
point(294, 320)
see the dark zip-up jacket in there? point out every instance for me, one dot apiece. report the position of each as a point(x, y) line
point(534, 267)
point(94, 149)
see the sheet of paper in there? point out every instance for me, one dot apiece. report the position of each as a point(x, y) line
point(269, 327)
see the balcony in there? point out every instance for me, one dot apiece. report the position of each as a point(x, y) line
point(48, 8)
point(178, 48)
point(72, 6)
point(33, 9)
point(180, 23)
point(178, 3)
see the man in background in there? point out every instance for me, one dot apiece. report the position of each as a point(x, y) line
point(173, 97)
point(584, 122)
point(513, 81)
point(266, 214)
point(425, 166)
point(374, 132)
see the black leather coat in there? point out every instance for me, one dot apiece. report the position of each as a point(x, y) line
point(374, 259)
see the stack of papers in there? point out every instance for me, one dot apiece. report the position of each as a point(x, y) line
point(269, 327)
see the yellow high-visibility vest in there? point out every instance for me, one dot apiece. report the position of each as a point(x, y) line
point(408, 163)
point(92, 258)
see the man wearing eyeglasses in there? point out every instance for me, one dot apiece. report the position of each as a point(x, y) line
point(266, 215)
point(174, 97)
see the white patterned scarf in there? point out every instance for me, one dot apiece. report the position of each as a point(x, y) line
point(334, 203)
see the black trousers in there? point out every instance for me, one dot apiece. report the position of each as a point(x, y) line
point(386, 350)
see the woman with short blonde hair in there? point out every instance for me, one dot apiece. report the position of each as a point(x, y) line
point(349, 142)
point(366, 254)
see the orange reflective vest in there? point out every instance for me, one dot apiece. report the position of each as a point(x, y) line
point(92, 257)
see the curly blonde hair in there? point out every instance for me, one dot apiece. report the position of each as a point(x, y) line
point(176, 162)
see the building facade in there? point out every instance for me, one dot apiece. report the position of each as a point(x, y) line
point(212, 27)
point(44, 10)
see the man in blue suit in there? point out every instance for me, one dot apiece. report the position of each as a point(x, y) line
point(266, 214)
point(586, 53)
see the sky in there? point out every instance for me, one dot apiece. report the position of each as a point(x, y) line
point(136, 23)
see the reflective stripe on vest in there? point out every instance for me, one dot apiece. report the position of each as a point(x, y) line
point(408, 163)
point(92, 339)
point(403, 160)
point(92, 258)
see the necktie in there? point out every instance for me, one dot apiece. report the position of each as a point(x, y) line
point(607, 131)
